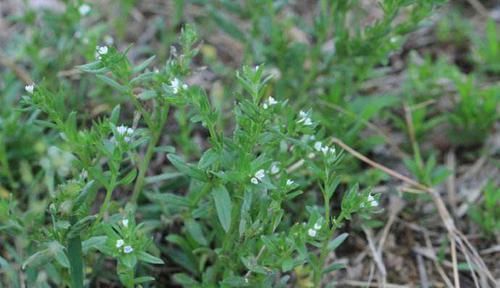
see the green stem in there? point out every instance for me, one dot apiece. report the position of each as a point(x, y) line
point(229, 240)
point(156, 133)
point(75, 257)
point(107, 199)
point(318, 269)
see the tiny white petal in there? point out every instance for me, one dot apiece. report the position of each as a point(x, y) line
point(311, 232)
point(254, 181)
point(275, 169)
point(29, 88)
point(128, 249)
point(289, 182)
point(317, 146)
point(119, 243)
point(84, 9)
point(125, 222)
point(317, 226)
point(260, 174)
point(372, 201)
point(265, 106)
point(102, 50)
point(272, 101)
point(324, 149)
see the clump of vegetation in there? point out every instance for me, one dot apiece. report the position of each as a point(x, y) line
point(219, 146)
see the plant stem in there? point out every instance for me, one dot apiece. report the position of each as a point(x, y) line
point(318, 270)
point(75, 258)
point(156, 133)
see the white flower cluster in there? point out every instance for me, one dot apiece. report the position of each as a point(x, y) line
point(312, 232)
point(100, 51)
point(127, 249)
point(318, 146)
point(30, 88)
point(371, 201)
point(84, 9)
point(126, 132)
point(58, 160)
point(275, 169)
point(304, 118)
point(259, 175)
point(269, 102)
point(176, 85)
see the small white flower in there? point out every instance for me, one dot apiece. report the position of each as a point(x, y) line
point(317, 146)
point(84, 174)
point(119, 243)
point(103, 50)
point(128, 249)
point(254, 181)
point(84, 9)
point(271, 101)
point(289, 182)
point(325, 149)
point(126, 132)
point(372, 200)
point(125, 222)
point(29, 88)
point(311, 232)
point(260, 174)
point(317, 226)
point(177, 86)
point(275, 169)
point(304, 118)
point(332, 150)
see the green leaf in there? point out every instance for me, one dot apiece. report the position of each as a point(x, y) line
point(147, 94)
point(333, 267)
point(129, 177)
point(143, 279)
point(95, 242)
point(332, 245)
point(185, 280)
point(115, 114)
point(143, 65)
point(148, 258)
point(223, 206)
point(187, 169)
point(112, 83)
point(79, 226)
point(194, 229)
point(82, 197)
point(37, 259)
point(169, 199)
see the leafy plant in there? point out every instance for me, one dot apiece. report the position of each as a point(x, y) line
point(486, 214)
point(245, 180)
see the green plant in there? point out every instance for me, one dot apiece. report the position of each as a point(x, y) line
point(475, 113)
point(245, 180)
point(486, 213)
point(487, 49)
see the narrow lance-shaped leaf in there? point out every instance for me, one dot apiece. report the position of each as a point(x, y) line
point(223, 206)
